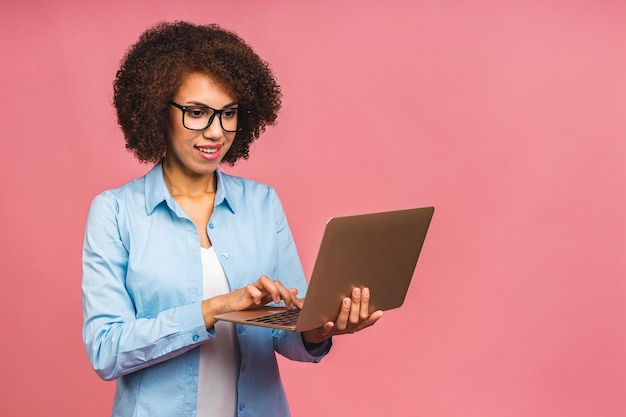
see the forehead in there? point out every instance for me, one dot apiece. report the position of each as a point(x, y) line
point(202, 88)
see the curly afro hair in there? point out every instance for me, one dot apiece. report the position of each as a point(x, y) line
point(154, 68)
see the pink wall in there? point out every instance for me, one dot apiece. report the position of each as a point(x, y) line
point(509, 117)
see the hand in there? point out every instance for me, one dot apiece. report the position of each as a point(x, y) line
point(261, 292)
point(353, 317)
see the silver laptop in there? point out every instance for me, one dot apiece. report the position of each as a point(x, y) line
point(377, 250)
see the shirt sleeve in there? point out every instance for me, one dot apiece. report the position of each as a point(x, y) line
point(117, 342)
point(290, 345)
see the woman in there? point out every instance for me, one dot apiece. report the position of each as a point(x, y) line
point(165, 253)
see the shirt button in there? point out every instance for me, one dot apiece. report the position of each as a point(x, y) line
point(224, 256)
point(243, 368)
point(211, 226)
point(240, 329)
point(242, 407)
point(195, 337)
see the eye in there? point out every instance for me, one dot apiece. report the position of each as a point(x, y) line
point(229, 113)
point(197, 112)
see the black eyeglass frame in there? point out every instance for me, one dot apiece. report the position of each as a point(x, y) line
point(183, 110)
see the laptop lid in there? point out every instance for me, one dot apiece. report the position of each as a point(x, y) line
point(375, 250)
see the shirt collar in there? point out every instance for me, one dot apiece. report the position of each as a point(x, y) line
point(156, 191)
point(224, 192)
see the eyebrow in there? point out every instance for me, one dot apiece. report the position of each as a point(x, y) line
point(227, 106)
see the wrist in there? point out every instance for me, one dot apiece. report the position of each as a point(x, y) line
point(210, 308)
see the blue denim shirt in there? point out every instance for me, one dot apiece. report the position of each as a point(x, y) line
point(142, 294)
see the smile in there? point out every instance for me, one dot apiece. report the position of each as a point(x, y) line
point(208, 150)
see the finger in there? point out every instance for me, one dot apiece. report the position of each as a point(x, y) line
point(284, 294)
point(254, 293)
point(288, 295)
point(342, 319)
point(298, 302)
point(277, 291)
point(269, 287)
point(372, 319)
point(364, 307)
point(325, 331)
point(328, 328)
point(320, 334)
point(355, 308)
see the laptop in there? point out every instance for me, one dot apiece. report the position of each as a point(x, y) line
point(376, 250)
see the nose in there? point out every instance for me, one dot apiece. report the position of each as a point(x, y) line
point(214, 130)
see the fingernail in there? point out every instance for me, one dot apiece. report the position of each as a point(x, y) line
point(366, 292)
point(356, 292)
point(346, 302)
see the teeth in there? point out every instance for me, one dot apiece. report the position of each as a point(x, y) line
point(206, 150)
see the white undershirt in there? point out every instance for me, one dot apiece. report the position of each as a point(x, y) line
point(219, 358)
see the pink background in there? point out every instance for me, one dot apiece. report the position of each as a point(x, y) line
point(508, 116)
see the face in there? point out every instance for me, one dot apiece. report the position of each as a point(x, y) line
point(198, 152)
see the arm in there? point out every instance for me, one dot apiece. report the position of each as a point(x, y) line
point(118, 342)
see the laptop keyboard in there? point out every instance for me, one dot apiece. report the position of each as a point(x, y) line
point(284, 318)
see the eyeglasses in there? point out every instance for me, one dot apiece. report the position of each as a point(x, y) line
point(201, 117)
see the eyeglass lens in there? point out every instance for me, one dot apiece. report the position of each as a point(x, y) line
point(199, 118)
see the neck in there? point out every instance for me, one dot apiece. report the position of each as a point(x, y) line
point(184, 182)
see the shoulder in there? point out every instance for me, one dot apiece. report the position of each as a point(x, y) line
point(246, 194)
point(131, 187)
point(241, 184)
point(241, 189)
point(115, 198)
